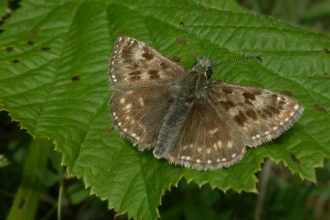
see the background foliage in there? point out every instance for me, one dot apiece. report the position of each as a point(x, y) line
point(53, 81)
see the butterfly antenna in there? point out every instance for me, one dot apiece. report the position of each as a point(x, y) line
point(192, 46)
point(237, 60)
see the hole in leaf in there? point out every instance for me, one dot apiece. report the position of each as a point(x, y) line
point(46, 48)
point(30, 42)
point(15, 61)
point(75, 78)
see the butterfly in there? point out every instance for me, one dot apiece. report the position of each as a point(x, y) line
point(184, 117)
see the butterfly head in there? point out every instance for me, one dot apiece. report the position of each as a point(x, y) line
point(204, 66)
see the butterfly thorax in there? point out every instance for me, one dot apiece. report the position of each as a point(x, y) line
point(193, 86)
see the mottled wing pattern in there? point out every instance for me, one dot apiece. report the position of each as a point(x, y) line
point(256, 115)
point(205, 141)
point(145, 83)
point(135, 64)
point(138, 114)
point(231, 117)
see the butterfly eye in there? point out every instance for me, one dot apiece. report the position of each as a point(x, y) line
point(208, 72)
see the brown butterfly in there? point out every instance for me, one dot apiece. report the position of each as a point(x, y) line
point(186, 118)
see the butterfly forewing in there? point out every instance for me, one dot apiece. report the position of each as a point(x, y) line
point(135, 64)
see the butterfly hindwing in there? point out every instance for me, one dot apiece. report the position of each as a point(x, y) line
point(205, 140)
point(138, 114)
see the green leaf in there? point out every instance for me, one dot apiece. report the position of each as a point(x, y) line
point(47, 177)
point(77, 193)
point(54, 82)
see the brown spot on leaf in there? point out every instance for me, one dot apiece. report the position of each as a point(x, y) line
point(30, 42)
point(46, 48)
point(327, 75)
point(153, 74)
point(121, 30)
point(75, 78)
point(294, 158)
point(181, 41)
point(34, 32)
point(10, 49)
point(227, 104)
point(194, 55)
point(286, 92)
point(15, 61)
point(240, 118)
point(110, 129)
point(251, 113)
point(176, 59)
point(319, 108)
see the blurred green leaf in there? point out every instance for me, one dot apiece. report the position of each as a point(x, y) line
point(47, 177)
point(3, 8)
point(77, 193)
point(53, 63)
point(26, 199)
point(3, 161)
